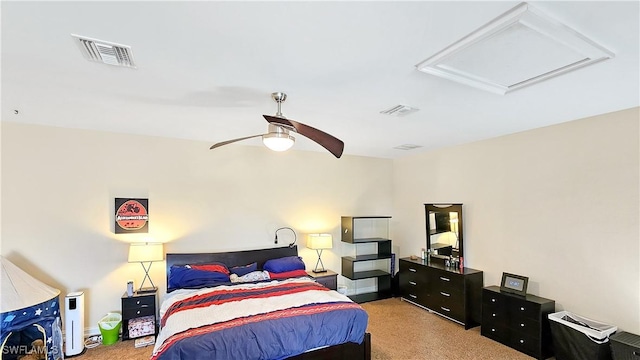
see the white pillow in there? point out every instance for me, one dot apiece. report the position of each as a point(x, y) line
point(250, 277)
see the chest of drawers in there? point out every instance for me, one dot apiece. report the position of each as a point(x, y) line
point(137, 306)
point(450, 292)
point(517, 321)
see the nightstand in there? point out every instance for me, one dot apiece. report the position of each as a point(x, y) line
point(139, 311)
point(327, 278)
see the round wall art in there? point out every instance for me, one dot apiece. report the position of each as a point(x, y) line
point(132, 215)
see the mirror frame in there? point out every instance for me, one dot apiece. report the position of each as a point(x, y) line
point(446, 208)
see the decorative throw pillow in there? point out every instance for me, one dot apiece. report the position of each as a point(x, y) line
point(185, 276)
point(214, 266)
point(289, 274)
point(244, 270)
point(288, 263)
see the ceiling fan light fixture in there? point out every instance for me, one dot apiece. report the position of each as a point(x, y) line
point(278, 138)
point(279, 141)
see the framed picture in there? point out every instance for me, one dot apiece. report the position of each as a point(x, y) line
point(132, 216)
point(514, 284)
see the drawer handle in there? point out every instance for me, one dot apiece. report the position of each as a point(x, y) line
point(636, 353)
point(138, 302)
point(444, 293)
point(412, 283)
point(493, 330)
point(413, 296)
point(522, 325)
point(493, 300)
point(138, 312)
point(445, 309)
point(412, 269)
point(444, 279)
point(521, 341)
point(521, 308)
point(494, 314)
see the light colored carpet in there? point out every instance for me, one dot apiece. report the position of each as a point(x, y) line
point(398, 330)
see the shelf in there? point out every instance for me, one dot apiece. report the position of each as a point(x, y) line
point(367, 257)
point(369, 240)
point(361, 230)
point(372, 296)
point(366, 274)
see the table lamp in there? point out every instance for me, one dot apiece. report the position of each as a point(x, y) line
point(319, 242)
point(146, 253)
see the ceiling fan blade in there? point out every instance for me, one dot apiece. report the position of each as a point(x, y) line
point(232, 141)
point(329, 142)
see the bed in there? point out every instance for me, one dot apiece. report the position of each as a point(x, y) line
point(288, 318)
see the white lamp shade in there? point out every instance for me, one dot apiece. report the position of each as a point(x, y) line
point(319, 241)
point(146, 252)
point(278, 141)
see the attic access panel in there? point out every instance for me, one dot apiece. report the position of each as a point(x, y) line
point(519, 48)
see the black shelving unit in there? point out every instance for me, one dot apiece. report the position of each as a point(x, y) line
point(383, 276)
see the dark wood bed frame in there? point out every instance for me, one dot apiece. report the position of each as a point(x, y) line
point(347, 351)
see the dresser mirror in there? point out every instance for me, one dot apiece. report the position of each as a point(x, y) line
point(444, 230)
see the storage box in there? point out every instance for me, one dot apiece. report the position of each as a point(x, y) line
point(625, 346)
point(579, 338)
point(142, 326)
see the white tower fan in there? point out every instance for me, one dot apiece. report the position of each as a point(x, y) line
point(74, 324)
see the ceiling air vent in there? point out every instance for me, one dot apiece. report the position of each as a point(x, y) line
point(105, 52)
point(399, 110)
point(519, 48)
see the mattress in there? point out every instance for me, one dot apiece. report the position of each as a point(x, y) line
point(265, 320)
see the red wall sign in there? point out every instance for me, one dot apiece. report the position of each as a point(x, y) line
point(132, 216)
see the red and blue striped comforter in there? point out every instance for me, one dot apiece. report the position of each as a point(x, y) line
point(268, 320)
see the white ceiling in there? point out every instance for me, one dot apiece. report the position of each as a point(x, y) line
point(206, 70)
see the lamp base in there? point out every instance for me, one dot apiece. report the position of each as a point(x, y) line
point(319, 271)
point(146, 290)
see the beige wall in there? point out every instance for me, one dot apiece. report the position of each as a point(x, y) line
point(59, 185)
point(558, 204)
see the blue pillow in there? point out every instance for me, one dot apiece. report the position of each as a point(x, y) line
point(244, 270)
point(181, 276)
point(284, 264)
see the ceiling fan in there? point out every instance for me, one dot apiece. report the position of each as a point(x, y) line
point(278, 137)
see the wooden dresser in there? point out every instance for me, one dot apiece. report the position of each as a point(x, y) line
point(453, 293)
point(517, 321)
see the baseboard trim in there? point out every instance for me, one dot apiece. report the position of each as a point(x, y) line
point(92, 331)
